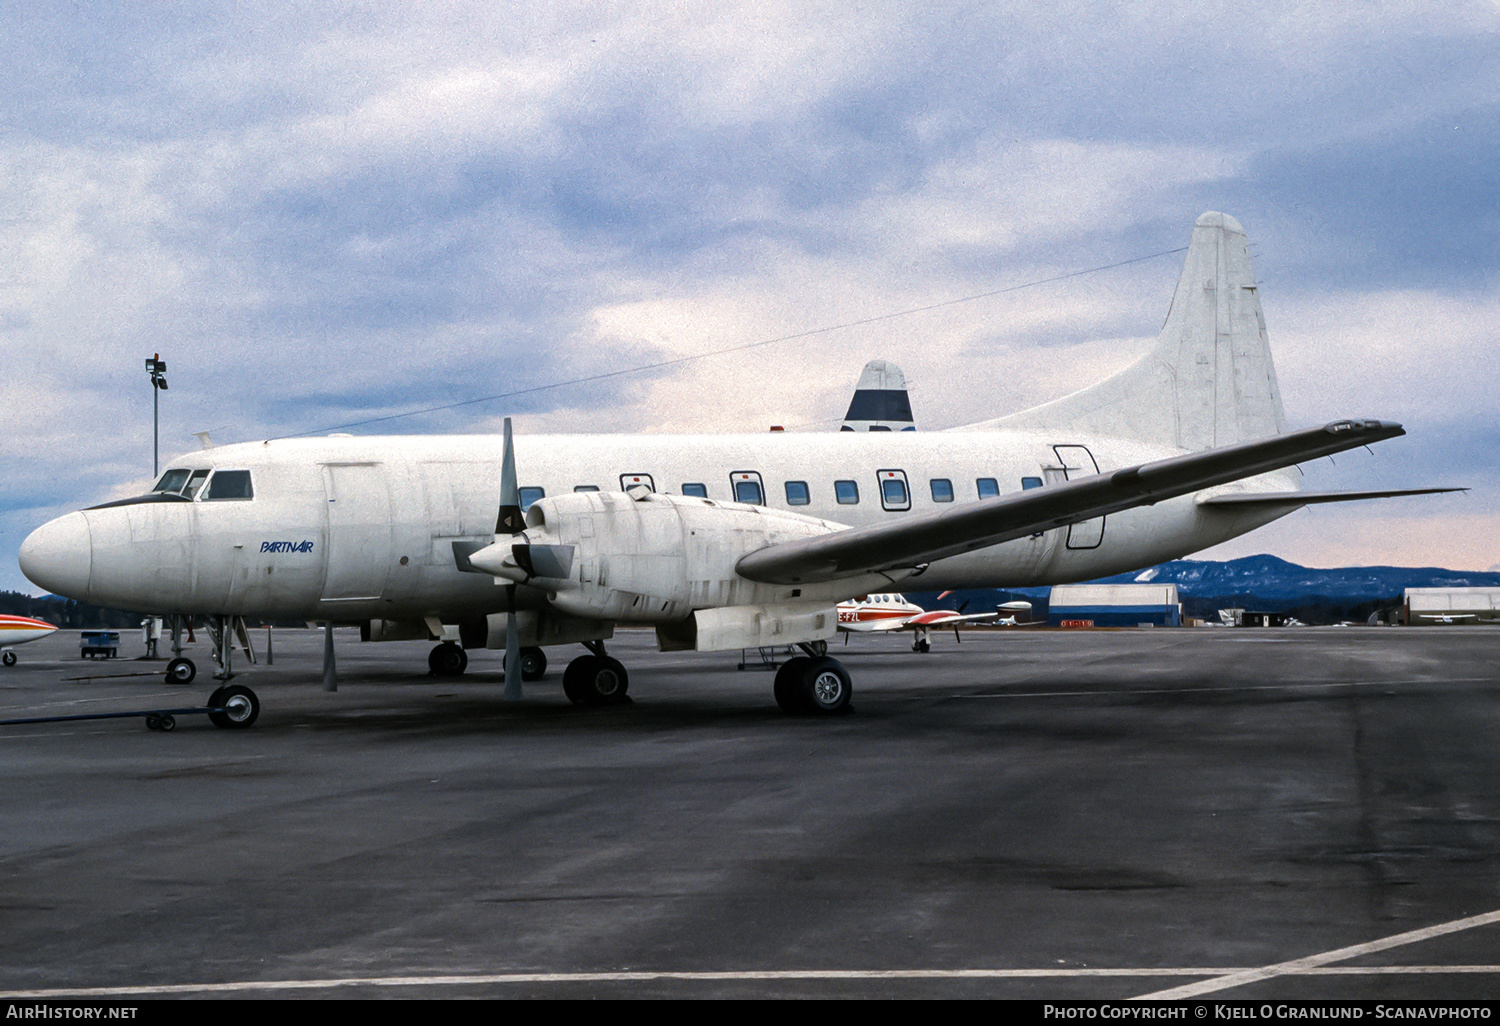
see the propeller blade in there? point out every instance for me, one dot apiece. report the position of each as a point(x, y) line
point(330, 671)
point(510, 520)
point(512, 650)
point(555, 561)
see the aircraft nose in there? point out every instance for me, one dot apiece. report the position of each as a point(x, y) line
point(58, 556)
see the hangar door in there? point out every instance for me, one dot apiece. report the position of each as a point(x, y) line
point(359, 531)
point(1078, 462)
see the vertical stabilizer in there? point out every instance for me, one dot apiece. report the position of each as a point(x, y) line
point(880, 401)
point(1207, 382)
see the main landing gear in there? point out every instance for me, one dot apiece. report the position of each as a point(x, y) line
point(596, 678)
point(450, 660)
point(811, 684)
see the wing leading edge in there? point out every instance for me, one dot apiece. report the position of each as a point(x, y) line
point(914, 541)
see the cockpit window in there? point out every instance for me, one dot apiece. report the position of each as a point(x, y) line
point(172, 481)
point(194, 483)
point(230, 484)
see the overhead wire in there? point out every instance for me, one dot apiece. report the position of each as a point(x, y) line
point(742, 347)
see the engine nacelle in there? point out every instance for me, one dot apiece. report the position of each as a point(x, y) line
point(659, 559)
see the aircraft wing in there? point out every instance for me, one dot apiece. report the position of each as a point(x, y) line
point(948, 617)
point(1310, 498)
point(914, 541)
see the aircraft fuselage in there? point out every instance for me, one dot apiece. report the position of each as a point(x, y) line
point(351, 529)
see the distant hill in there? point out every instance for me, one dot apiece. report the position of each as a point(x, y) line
point(1261, 582)
point(1277, 579)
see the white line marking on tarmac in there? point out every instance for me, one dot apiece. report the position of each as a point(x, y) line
point(1227, 688)
point(491, 979)
point(1244, 976)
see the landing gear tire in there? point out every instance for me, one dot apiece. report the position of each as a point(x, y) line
point(596, 680)
point(533, 663)
point(239, 704)
point(9, 659)
point(790, 694)
point(164, 722)
point(826, 687)
point(181, 671)
point(447, 660)
point(921, 645)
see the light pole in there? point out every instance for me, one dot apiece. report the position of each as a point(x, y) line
point(157, 368)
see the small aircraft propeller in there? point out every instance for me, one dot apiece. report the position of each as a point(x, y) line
point(510, 522)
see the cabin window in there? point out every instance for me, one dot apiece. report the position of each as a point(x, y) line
point(695, 488)
point(230, 484)
point(988, 487)
point(749, 491)
point(797, 494)
point(893, 492)
point(942, 489)
point(585, 488)
point(747, 487)
point(894, 495)
point(847, 492)
point(530, 495)
point(1028, 483)
point(195, 483)
point(172, 481)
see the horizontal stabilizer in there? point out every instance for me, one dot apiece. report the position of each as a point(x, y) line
point(915, 541)
point(1311, 498)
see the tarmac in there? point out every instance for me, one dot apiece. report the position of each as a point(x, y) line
point(1216, 813)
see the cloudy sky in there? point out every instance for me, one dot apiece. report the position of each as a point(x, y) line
point(321, 214)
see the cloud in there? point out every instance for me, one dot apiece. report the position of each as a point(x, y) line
point(325, 214)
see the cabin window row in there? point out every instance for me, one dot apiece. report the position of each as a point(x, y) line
point(746, 487)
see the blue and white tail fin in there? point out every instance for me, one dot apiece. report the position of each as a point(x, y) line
point(880, 401)
point(1209, 380)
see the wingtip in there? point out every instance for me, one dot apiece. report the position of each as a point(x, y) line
point(1385, 428)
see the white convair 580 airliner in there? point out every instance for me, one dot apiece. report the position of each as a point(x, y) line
point(718, 541)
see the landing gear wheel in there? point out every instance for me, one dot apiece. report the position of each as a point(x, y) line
point(181, 671)
point(447, 660)
point(596, 680)
point(239, 704)
point(922, 645)
point(533, 663)
point(166, 721)
point(788, 688)
point(826, 687)
point(9, 659)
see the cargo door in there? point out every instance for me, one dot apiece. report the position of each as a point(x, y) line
point(359, 531)
point(1078, 462)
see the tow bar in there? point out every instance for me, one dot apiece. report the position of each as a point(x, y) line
point(156, 719)
point(232, 706)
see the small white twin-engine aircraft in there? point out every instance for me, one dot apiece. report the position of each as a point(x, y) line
point(719, 542)
point(17, 630)
point(883, 613)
